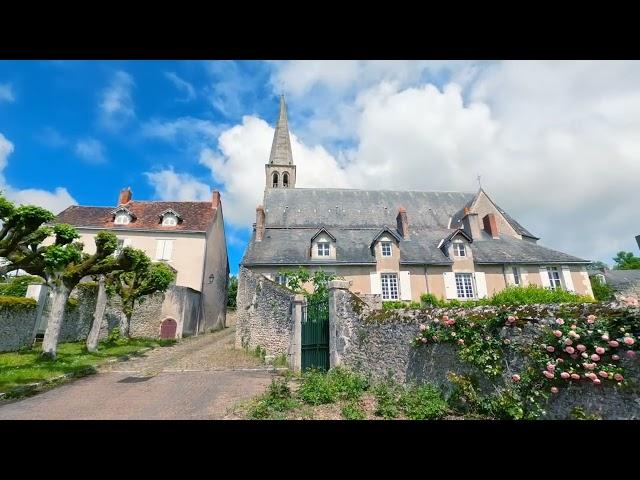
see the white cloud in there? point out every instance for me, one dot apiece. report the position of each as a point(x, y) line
point(116, 101)
point(90, 150)
point(6, 93)
point(181, 85)
point(55, 201)
point(169, 185)
point(189, 129)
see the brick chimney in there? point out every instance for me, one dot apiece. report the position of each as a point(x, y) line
point(259, 223)
point(125, 196)
point(403, 223)
point(215, 199)
point(490, 225)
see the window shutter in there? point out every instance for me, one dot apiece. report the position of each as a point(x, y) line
point(481, 284)
point(450, 285)
point(376, 286)
point(524, 277)
point(159, 249)
point(568, 282)
point(544, 277)
point(405, 286)
point(168, 249)
point(509, 276)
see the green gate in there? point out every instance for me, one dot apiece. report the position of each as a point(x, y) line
point(315, 335)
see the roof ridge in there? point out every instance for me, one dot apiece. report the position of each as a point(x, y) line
point(373, 190)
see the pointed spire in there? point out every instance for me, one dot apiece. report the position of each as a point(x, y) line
point(281, 147)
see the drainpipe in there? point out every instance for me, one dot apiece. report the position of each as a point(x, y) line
point(426, 278)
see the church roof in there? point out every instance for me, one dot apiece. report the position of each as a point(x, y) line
point(281, 147)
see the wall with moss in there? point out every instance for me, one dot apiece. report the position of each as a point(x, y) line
point(381, 344)
point(17, 322)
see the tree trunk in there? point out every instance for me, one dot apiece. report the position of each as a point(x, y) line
point(60, 295)
point(125, 327)
point(98, 315)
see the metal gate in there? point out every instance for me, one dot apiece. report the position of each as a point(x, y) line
point(315, 335)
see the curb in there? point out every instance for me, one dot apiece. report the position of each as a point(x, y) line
point(90, 370)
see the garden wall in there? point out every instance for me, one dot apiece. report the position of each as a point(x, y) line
point(378, 342)
point(17, 322)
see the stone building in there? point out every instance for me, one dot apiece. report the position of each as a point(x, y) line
point(400, 244)
point(188, 236)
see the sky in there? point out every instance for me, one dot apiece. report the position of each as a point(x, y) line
point(555, 143)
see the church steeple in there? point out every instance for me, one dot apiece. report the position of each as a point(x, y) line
point(280, 171)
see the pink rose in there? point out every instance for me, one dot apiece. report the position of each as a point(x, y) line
point(631, 354)
point(591, 319)
point(423, 327)
point(560, 360)
point(575, 376)
point(445, 318)
point(592, 376)
point(615, 358)
point(614, 344)
point(557, 333)
point(559, 321)
point(548, 374)
point(629, 341)
point(554, 389)
point(603, 374)
point(424, 340)
point(569, 350)
point(565, 375)
point(550, 349)
point(605, 338)
point(511, 319)
point(581, 348)
point(551, 367)
point(568, 341)
point(460, 342)
point(515, 377)
point(596, 381)
point(574, 326)
point(618, 377)
point(600, 351)
point(589, 366)
point(595, 357)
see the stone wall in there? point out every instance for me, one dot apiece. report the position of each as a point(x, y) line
point(264, 315)
point(376, 342)
point(17, 324)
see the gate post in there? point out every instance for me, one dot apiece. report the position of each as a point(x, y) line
point(336, 289)
point(296, 342)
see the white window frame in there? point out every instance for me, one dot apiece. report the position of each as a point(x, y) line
point(163, 256)
point(122, 219)
point(465, 290)
point(323, 249)
point(517, 278)
point(459, 252)
point(384, 245)
point(169, 220)
point(390, 286)
point(555, 283)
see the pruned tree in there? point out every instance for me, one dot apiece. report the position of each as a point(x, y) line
point(142, 279)
point(626, 261)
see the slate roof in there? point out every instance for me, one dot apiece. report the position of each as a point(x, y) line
point(621, 279)
point(354, 217)
point(195, 216)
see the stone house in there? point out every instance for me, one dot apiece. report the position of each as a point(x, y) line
point(399, 244)
point(188, 236)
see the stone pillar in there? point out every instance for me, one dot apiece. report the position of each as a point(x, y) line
point(40, 294)
point(337, 288)
point(295, 355)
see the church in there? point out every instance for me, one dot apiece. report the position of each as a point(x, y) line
point(398, 244)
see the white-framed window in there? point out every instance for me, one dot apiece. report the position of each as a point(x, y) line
point(164, 249)
point(323, 249)
point(122, 218)
point(386, 249)
point(281, 279)
point(464, 285)
point(389, 283)
point(122, 242)
point(459, 250)
point(554, 277)
point(516, 275)
point(169, 220)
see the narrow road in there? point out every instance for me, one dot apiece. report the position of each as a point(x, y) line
point(198, 378)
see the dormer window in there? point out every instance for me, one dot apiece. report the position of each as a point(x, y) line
point(122, 216)
point(323, 249)
point(386, 249)
point(459, 250)
point(170, 218)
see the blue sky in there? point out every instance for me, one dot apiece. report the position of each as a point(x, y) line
point(555, 142)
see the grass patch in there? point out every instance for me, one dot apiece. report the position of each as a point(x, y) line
point(24, 367)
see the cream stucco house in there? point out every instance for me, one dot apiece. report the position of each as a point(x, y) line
point(188, 236)
point(400, 244)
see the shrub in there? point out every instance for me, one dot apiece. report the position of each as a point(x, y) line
point(346, 384)
point(387, 395)
point(424, 402)
point(17, 302)
point(17, 286)
point(532, 294)
point(393, 305)
point(430, 300)
point(601, 291)
point(275, 401)
point(352, 411)
point(316, 388)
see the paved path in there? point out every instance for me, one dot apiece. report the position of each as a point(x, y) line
point(199, 378)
